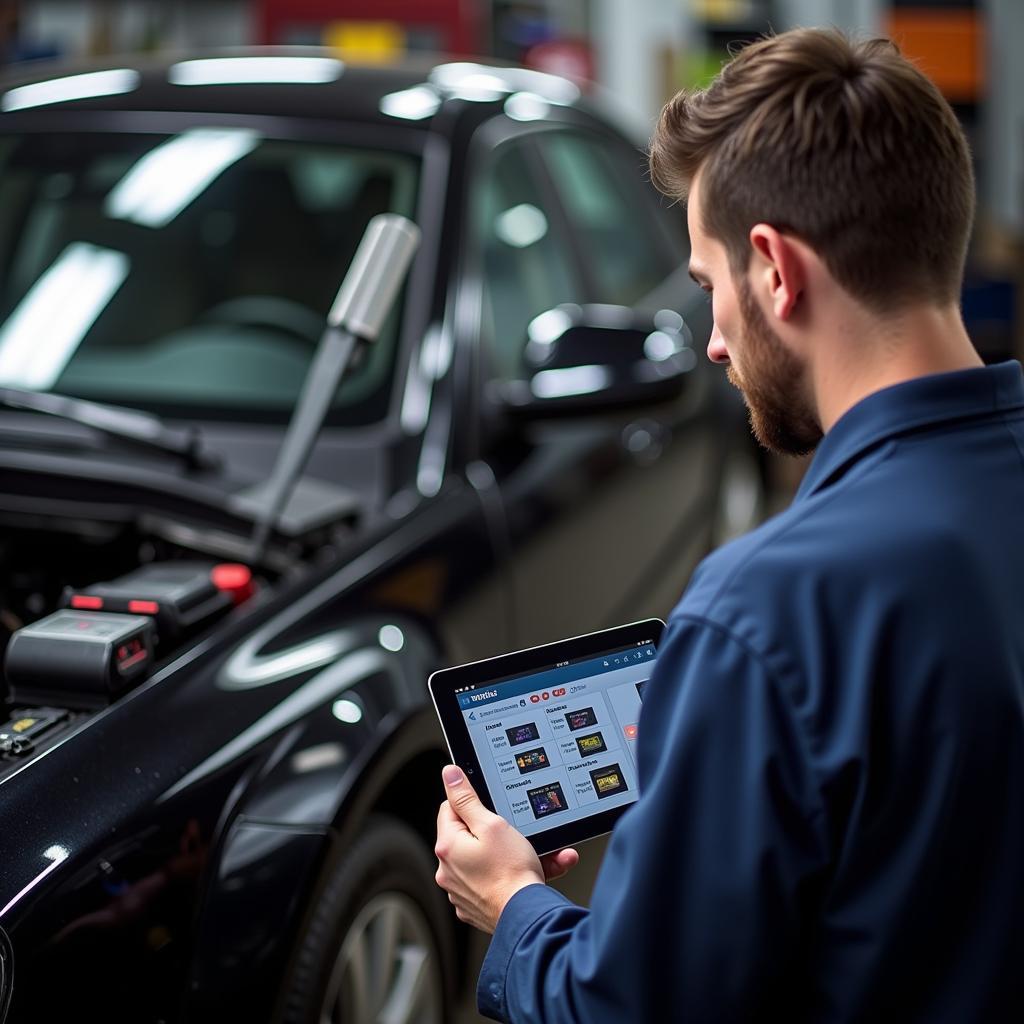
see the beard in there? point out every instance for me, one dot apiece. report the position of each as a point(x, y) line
point(773, 385)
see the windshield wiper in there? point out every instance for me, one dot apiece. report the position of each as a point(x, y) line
point(139, 428)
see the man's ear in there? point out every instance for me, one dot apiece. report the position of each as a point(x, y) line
point(777, 269)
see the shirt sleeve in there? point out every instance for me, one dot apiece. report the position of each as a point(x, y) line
point(702, 904)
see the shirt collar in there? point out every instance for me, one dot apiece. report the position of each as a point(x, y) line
point(912, 405)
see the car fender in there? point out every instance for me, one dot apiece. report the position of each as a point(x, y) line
point(353, 740)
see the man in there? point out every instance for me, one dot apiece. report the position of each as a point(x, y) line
point(831, 754)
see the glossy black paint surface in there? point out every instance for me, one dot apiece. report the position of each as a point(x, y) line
point(158, 860)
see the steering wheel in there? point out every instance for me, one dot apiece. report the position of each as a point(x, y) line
point(273, 311)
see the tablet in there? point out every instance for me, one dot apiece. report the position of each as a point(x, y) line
point(547, 736)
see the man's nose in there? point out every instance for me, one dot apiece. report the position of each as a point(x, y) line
point(717, 352)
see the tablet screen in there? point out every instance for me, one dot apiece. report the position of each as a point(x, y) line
point(558, 745)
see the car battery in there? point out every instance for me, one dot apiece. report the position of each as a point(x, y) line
point(78, 659)
point(179, 596)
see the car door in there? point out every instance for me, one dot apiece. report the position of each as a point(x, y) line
point(606, 514)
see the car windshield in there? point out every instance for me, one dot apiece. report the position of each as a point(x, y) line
point(187, 274)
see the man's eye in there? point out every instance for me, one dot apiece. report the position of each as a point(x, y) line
point(708, 293)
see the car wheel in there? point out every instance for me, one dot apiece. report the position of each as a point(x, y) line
point(378, 947)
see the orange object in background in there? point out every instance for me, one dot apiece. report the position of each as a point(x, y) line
point(946, 45)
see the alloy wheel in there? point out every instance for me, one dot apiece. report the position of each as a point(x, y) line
point(387, 970)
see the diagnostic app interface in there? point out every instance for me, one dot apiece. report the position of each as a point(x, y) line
point(558, 745)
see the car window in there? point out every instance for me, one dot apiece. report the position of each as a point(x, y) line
point(189, 274)
point(610, 215)
point(527, 266)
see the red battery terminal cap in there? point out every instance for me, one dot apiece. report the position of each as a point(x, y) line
point(234, 579)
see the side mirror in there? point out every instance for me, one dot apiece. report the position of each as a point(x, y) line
point(587, 359)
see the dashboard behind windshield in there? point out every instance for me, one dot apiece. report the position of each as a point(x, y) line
point(187, 274)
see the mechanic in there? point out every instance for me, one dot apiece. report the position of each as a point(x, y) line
point(831, 751)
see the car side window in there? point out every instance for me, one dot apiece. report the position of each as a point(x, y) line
point(526, 266)
point(610, 216)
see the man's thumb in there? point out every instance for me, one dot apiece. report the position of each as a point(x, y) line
point(461, 795)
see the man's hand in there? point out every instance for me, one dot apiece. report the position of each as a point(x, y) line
point(484, 861)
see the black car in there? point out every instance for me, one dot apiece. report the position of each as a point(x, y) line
point(218, 766)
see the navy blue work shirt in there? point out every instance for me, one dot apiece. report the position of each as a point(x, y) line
point(831, 755)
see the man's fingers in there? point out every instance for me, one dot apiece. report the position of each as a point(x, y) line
point(449, 825)
point(448, 819)
point(558, 864)
point(463, 799)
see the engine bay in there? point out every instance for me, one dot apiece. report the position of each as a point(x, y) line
point(87, 614)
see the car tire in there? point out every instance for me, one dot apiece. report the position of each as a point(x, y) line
point(379, 942)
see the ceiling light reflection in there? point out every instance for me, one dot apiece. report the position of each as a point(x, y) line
point(480, 82)
point(660, 346)
point(73, 87)
point(167, 179)
point(323, 755)
point(56, 855)
point(473, 82)
point(415, 104)
point(243, 70)
point(668, 320)
point(47, 326)
point(549, 326)
point(347, 711)
point(527, 106)
point(244, 671)
point(521, 226)
point(570, 380)
point(391, 638)
point(436, 352)
point(415, 400)
point(481, 88)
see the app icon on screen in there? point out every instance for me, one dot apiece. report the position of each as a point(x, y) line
point(547, 799)
point(583, 718)
point(608, 780)
point(591, 744)
point(525, 733)
point(532, 760)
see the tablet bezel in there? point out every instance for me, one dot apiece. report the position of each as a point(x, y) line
point(444, 683)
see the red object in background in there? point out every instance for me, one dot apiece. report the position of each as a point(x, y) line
point(234, 579)
point(570, 58)
point(458, 23)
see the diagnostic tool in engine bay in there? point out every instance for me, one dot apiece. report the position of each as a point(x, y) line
point(78, 658)
point(180, 596)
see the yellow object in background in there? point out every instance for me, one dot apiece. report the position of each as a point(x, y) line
point(728, 12)
point(366, 42)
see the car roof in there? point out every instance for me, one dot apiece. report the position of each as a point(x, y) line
point(240, 81)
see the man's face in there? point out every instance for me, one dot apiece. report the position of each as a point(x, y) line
point(771, 378)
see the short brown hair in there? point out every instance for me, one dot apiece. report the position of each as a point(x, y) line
point(845, 144)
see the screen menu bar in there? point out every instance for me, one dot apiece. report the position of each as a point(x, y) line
point(557, 677)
